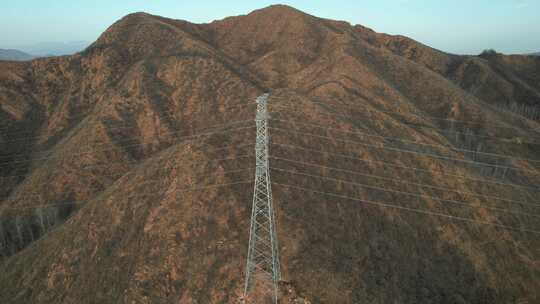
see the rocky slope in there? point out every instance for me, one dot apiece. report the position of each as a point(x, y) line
point(400, 173)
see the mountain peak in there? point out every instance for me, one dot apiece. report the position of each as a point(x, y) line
point(281, 8)
point(136, 16)
point(280, 11)
point(142, 34)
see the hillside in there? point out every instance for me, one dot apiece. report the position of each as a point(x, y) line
point(401, 174)
point(17, 55)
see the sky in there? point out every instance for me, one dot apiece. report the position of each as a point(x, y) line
point(455, 26)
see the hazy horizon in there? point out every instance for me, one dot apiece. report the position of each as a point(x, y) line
point(446, 26)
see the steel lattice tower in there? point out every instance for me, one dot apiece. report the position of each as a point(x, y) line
point(262, 269)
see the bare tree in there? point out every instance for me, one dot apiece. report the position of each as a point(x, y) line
point(3, 244)
point(39, 215)
point(18, 229)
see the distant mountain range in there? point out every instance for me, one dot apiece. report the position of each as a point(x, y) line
point(42, 49)
point(10, 54)
point(46, 49)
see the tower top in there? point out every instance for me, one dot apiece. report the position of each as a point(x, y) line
point(263, 98)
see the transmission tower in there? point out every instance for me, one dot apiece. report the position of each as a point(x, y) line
point(262, 269)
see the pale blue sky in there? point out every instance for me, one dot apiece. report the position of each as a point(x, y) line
point(457, 26)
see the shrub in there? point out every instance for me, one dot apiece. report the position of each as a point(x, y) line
point(489, 53)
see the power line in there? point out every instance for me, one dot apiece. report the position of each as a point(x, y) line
point(397, 112)
point(403, 181)
point(401, 166)
point(195, 136)
point(87, 115)
point(426, 212)
point(211, 128)
point(15, 196)
point(102, 120)
point(126, 126)
point(408, 141)
point(412, 114)
point(128, 162)
point(408, 151)
point(207, 186)
point(406, 193)
point(494, 138)
point(5, 208)
point(421, 115)
point(35, 207)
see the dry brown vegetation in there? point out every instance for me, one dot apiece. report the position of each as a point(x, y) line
point(96, 161)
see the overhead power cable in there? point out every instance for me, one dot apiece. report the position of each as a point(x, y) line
point(407, 141)
point(108, 129)
point(26, 195)
point(3, 131)
point(183, 139)
point(132, 162)
point(407, 151)
point(345, 156)
point(445, 131)
point(401, 114)
point(419, 195)
point(420, 115)
point(420, 211)
point(210, 128)
point(5, 208)
point(401, 181)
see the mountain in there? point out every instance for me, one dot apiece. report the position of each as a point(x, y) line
point(11, 54)
point(400, 173)
point(48, 49)
point(43, 49)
